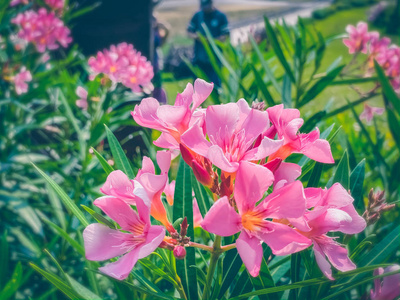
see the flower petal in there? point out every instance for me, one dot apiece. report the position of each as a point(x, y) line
point(202, 89)
point(267, 147)
point(251, 252)
point(195, 140)
point(221, 120)
point(323, 264)
point(123, 266)
point(217, 157)
point(154, 237)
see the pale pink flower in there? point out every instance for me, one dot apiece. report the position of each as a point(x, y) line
point(254, 220)
point(174, 120)
point(21, 79)
point(369, 112)
point(123, 64)
point(232, 130)
point(43, 29)
point(358, 38)
point(332, 210)
point(286, 124)
point(387, 288)
point(136, 239)
point(82, 94)
point(118, 185)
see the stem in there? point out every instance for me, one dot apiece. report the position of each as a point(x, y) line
point(228, 247)
point(180, 289)
point(216, 252)
point(201, 246)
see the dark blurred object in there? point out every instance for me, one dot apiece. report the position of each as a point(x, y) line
point(175, 64)
point(386, 16)
point(114, 22)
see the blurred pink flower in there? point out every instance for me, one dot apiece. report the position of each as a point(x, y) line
point(174, 120)
point(232, 129)
point(82, 94)
point(21, 79)
point(122, 63)
point(16, 2)
point(43, 29)
point(358, 38)
point(369, 112)
point(136, 239)
point(57, 5)
point(254, 220)
point(286, 124)
point(387, 288)
point(332, 210)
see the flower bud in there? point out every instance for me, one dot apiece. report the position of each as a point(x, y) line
point(184, 227)
point(186, 155)
point(201, 174)
point(179, 252)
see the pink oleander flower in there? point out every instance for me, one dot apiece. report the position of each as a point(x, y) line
point(369, 112)
point(286, 124)
point(332, 210)
point(232, 130)
point(43, 29)
point(254, 221)
point(123, 64)
point(21, 79)
point(387, 288)
point(358, 38)
point(169, 192)
point(377, 44)
point(118, 185)
point(16, 2)
point(57, 5)
point(82, 101)
point(174, 120)
point(136, 239)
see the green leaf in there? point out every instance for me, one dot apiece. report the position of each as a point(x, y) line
point(107, 168)
point(203, 200)
point(387, 88)
point(84, 292)
point(315, 175)
point(342, 174)
point(119, 156)
point(232, 263)
point(357, 183)
point(98, 217)
point(277, 49)
point(263, 280)
point(264, 64)
point(394, 126)
point(263, 87)
point(69, 204)
point(57, 282)
point(13, 284)
point(183, 207)
point(295, 264)
point(57, 206)
point(287, 92)
point(355, 81)
point(320, 85)
point(156, 270)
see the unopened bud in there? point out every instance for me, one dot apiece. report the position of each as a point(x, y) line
point(186, 155)
point(273, 165)
point(201, 174)
point(184, 227)
point(259, 105)
point(179, 252)
point(166, 245)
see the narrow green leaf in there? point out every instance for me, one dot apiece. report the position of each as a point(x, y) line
point(263, 87)
point(98, 217)
point(107, 168)
point(57, 206)
point(203, 200)
point(315, 175)
point(394, 126)
point(154, 269)
point(295, 264)
point(13, 284)
point(183, 207)
point(287, 92)
point(277, 49)
point(119, 156)
point(84, 292)
point(69, 204)
point(357, 183)
point(342, 174)
point(232, 264)
point(263, 280)
point(387, 88)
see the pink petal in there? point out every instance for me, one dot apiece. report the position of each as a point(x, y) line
point(185, 98)
point(222, 219)
point(172, 116)
point(123, 266)
point(313, 196)
point(266, 148)
point(252, 181)
point(332, 220)
point(147, 166)
point(323, 264)
point(284, 240)
point(320, 151)
point(119, 211)
point(357, 223)
point(390, 285)
point(286, 173)
point(145, 114)
point(338, 256)
point(81, 92)
point(292, 128)
point(337, 196)
point(153, 184)
point(217, 157)
point(195, 140)
point(221, 120)
point(286, 202)
point(251, 252)
point(164, 160)
point(166, 141)
point(119, 185)
point(154, 237)
point(202, 90)
point(102, 242)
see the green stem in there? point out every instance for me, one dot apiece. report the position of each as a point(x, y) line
point(180, 289)
point(213, 263)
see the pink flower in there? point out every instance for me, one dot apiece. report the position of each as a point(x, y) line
point(136, 239)
point(57, 5)
point(232, 129)
point(43, 29)
point(118, 185)
point(175, 120)
point(82, 101)
point(286, 124)
point(122, 63)
point(333, 210)
point(389, 288)
point(252, 220)
point(358, 38)
point(21, 79)
point(169, 192)
point(369, 112)
point(16, 2)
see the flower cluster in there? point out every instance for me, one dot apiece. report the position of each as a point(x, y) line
point(21, 79)
point(57, 5)
point(122, 63)
point(380, 49)
point(43, 29)
point(256, 192)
